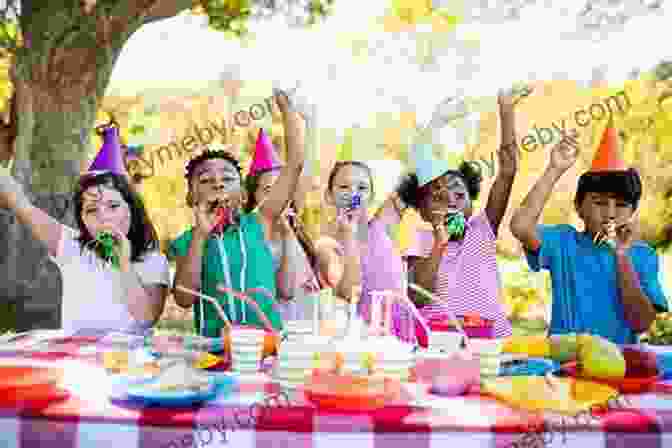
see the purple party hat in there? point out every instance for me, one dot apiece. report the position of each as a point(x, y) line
point(109, 157)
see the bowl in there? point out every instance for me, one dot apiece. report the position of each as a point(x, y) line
point(627, 385)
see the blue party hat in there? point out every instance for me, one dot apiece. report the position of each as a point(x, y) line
point(427, 167)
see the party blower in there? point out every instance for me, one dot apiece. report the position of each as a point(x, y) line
point(106, 245)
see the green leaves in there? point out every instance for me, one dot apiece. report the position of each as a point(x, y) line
point(232, 16)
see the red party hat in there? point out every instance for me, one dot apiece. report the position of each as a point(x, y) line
point(265, 157)
point(608, 156)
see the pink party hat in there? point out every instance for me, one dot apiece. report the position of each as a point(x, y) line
point(109, 157)
point(265, 157)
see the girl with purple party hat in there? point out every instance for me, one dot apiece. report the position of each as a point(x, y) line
point(292, 249)
point(114, 276)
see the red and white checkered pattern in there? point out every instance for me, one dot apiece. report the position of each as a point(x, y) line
point(88, 419)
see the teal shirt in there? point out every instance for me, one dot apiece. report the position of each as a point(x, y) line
point(259, 273)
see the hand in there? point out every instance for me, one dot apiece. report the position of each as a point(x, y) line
point(625, 236)
point(205, 220)
point(284, 226)
point(346, 223)
point(441, 236)
point(565, 153)
point(123, 249)
point(509, 98)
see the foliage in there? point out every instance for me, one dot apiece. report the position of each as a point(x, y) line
point(232, 16)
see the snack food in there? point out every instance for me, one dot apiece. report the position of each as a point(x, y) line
point(660, 332)
point(179, 377)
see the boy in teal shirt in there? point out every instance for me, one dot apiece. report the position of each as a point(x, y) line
point(226, 247)
point(604, 281)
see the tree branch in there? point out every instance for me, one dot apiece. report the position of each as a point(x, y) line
point(166, 9)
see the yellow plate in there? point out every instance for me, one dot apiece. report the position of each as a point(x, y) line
point(532, 393)
point(206, 361)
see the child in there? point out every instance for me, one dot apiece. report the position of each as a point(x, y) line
point(605, 286)
point(290, 246)
point(97, 295)
point(460, 267)
point(236, 255)
point(355, 252)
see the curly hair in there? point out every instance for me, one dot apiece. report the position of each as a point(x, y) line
point(410, 191)
point(209, 155)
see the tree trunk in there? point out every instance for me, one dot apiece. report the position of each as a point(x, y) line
point(59, 80)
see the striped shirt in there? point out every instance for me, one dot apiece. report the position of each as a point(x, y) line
point(467, 280)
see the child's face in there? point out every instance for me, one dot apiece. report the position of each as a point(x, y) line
point(104, 207)
point(598, 208)
point(216, 180)
point(350, 179)
point(264, 185)
point(447, 192)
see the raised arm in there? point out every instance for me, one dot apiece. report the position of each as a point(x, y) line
point(43, 227)
point(525, 219)
point(286, 185)
point(500, 193)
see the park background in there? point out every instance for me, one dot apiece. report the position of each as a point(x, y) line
point(178, 74)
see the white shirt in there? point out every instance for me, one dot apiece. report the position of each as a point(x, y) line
point(93, 295)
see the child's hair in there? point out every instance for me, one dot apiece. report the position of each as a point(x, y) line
point(142, 234)
point(411, 193)
point(342, 164)
point(208, 154)
point(626, 184)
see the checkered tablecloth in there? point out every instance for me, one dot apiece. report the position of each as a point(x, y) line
point(89, 419)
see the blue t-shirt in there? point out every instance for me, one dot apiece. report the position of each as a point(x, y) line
point(586, 295)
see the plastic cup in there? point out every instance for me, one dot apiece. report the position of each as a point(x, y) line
point(446, 341)
point(488, 352)
point(247, 347)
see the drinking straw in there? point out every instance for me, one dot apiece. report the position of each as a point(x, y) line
point(452, 317)
point(356, 292)
point(212, 300)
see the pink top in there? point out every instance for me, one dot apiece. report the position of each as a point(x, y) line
point(382, 269)
point(468, 279)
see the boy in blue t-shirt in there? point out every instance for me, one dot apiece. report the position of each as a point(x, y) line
point(604, 281)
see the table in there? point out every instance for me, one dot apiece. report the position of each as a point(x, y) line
point(88, 419)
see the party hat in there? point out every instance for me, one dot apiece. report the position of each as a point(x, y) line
point(427, 167)
point(265, 157)
point(109, 157)
point(608, 156)
point(346, 148)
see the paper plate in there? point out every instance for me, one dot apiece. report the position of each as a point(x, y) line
point(31, 385)
point(176, 399)
point(568, 396)
point(320, 389)
point(626, 385)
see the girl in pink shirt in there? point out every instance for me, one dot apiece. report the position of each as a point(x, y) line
point(457, 260)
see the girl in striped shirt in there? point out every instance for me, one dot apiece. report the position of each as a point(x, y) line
point(457, 260)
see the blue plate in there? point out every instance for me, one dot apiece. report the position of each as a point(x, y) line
point(529, 367)
point(176, 399)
